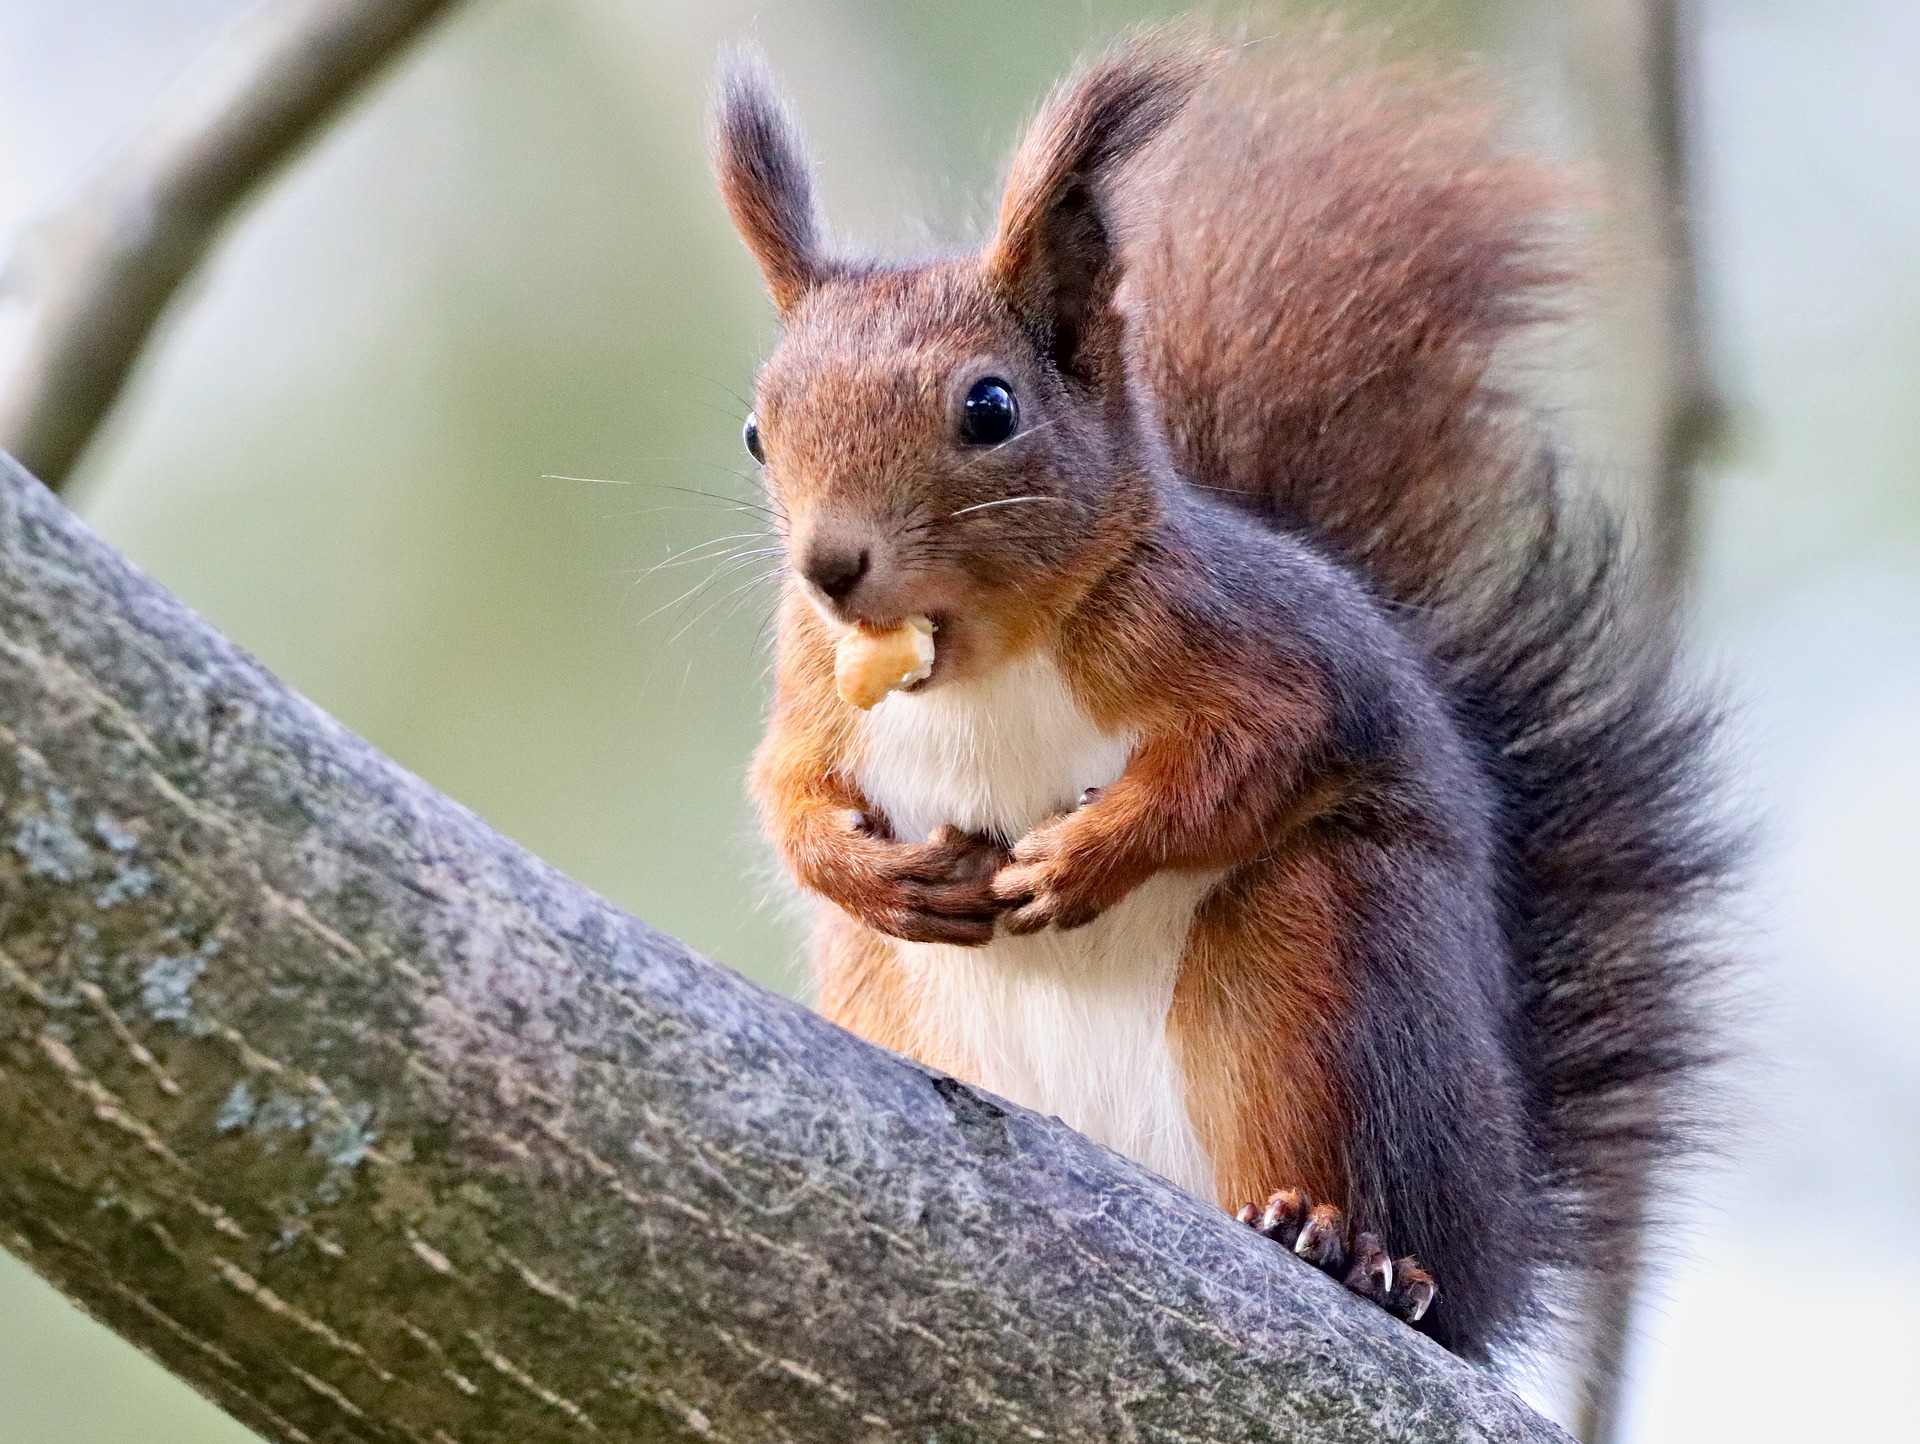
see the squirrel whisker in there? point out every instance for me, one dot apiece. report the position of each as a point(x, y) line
point(1003, 501)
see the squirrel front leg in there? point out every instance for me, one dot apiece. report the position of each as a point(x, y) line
point(1189, 798)
point(937, 891)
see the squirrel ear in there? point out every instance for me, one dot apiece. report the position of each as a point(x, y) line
point(763, 173)
point(1052, 256)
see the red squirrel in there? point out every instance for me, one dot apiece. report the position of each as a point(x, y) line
point(1301, 800)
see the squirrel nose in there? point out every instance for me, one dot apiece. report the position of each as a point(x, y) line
point(835, 572)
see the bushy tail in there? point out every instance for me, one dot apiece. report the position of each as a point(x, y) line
point(1322, 260)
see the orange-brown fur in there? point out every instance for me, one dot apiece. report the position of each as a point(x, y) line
point(1258, 986)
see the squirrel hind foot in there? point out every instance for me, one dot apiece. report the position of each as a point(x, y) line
point(1322, 1237)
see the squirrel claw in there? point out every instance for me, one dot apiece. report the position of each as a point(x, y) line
point(1285, 1213)
point(1322, 1240)
point(1413, 1290)
point(1371, 1273)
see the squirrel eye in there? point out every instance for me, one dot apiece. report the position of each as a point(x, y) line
point(989, 415)
point(751, 435)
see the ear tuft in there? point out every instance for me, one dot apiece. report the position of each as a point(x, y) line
point(1052, 255)
point(764, 177)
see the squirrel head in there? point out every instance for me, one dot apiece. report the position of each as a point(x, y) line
point(956, 439)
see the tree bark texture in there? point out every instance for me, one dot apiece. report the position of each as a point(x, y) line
point(102, 271)
point(373, 1127)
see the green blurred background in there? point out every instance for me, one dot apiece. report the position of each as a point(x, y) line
point(507, 267)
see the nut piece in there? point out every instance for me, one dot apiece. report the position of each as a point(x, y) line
point(867, 665)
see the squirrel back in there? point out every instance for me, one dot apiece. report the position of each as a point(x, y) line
point(1323, 258)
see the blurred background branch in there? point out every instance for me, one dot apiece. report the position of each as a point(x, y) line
point(1694, 419)
point(101, 272)
point(1637, 66)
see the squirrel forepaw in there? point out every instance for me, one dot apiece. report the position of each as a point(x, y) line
point(1051, 882)
point(1036, 904)
point(937, 891)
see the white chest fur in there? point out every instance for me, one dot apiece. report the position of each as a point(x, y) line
point(1068, 1023)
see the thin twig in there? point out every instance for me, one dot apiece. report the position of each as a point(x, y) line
point(101, 272)
point(1694, 415)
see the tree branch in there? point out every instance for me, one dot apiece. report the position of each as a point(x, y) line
point(103, 270)
point(373, 1127)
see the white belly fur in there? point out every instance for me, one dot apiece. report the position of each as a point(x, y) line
point(1068, 1023)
